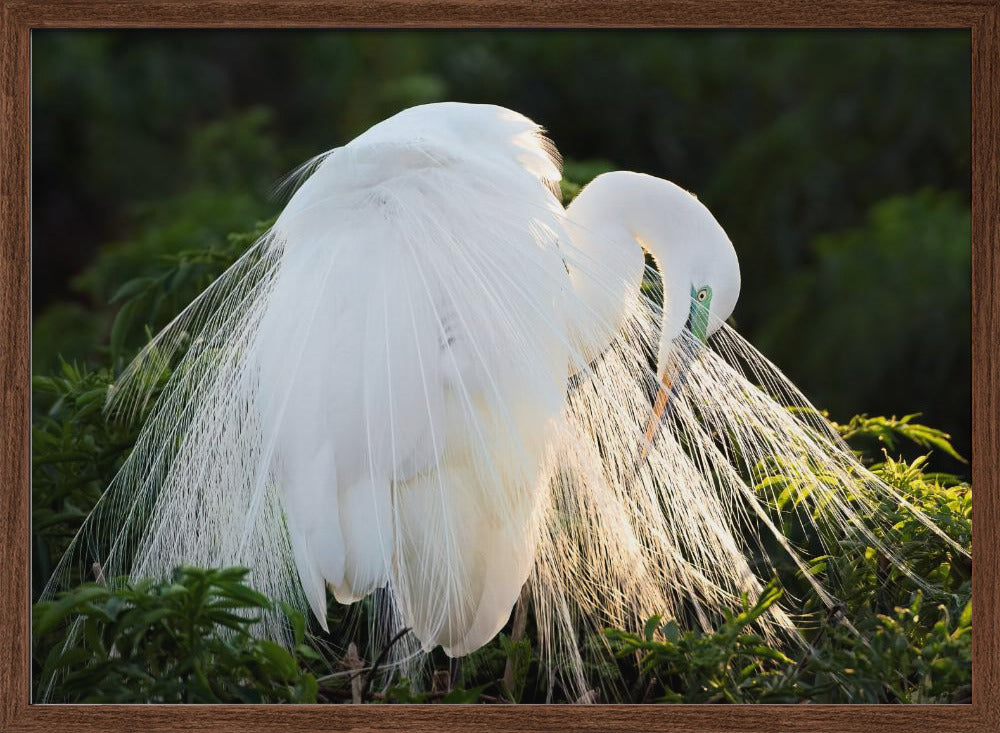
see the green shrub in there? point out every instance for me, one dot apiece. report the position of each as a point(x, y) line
point(185, 640)
point(887, 658)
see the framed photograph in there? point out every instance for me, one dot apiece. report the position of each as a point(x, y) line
point(499, 366)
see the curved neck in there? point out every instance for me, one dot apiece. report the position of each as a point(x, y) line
point(620, 209)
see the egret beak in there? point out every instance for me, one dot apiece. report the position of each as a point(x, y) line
point(667, 384)
point(659, 408)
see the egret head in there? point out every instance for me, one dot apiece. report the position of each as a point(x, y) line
point(695, 259)
point(714, 281)
point(697, 263)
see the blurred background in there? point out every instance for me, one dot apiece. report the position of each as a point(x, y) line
point(838, 163)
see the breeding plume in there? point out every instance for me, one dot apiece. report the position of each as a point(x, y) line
point(431, 384)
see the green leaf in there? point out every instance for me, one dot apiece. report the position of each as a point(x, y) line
point(649, 629)
point(671, 631)
point(283, 662)
point(464, 697)
point(131, 288)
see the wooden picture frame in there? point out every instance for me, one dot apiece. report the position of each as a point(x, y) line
point(20, 17)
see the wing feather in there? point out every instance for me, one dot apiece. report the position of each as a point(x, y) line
point(408, 390)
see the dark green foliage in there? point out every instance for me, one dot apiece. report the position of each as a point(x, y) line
point(897, 289)
point(150, 301)
point(893, 657)
point(76, 449)
point(886, 432)
point(517, 655)
point(733, 664)
point(177, 245)
point(185, 640)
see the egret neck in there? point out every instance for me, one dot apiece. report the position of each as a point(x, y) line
point(613, 221)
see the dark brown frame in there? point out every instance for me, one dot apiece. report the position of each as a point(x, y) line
point(17, 20)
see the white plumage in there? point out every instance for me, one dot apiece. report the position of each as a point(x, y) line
point(408, 390)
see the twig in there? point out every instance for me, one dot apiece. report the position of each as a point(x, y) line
point(353, 662)
point(381, 658)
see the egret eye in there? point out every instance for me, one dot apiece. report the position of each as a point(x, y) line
point(702, 294)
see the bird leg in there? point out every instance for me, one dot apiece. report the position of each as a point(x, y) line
point(454, 672)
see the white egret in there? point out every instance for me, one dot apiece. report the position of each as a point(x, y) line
point(431, 378)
